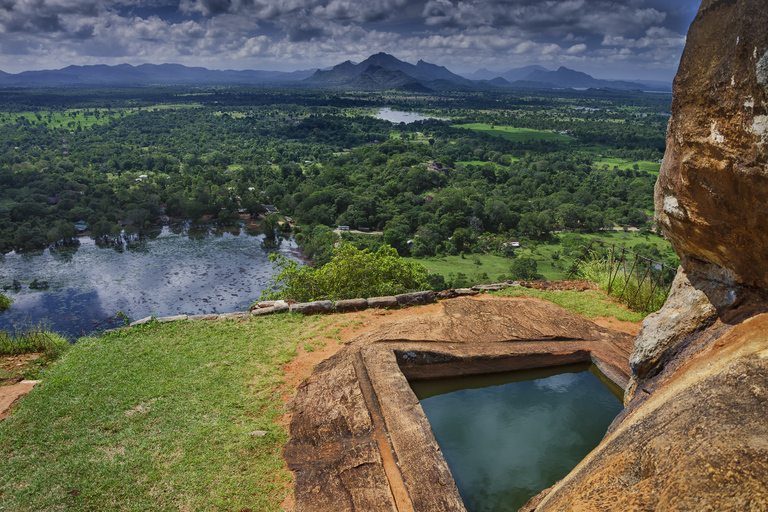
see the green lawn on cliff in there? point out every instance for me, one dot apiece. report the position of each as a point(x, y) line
point(166, 416)
point(161, 417)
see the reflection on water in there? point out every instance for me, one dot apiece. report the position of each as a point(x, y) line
point(180, 270)
point(507, 442)
point(397, 117)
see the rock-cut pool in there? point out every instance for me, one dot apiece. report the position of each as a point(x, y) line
point(506, 437)
point(181, 270)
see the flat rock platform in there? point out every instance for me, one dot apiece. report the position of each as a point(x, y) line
point(359, 438)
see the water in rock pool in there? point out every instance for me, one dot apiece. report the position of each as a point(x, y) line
point(182, 270)
point(507, 441)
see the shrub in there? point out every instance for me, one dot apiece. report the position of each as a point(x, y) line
point(5, 303)
point(351, 273)
point(642, 297)
point(40, 340)
point(524, 268)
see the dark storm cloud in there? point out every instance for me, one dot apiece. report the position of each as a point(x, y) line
point(544, 18)
point(214, 7)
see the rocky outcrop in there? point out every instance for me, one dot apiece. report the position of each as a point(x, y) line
point(359, 438)
point(693, 433)
point(712, 193)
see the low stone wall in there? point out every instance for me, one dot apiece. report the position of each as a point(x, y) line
point(327, 306)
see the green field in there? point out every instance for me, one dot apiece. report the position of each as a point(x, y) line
point(554, 259)
point(492, 265)
point(515, 134)
point(643, 165)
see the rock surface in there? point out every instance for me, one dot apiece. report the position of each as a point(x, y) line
point(693, 433)
point(359, 438)
point(712, 192)
point(697, 442)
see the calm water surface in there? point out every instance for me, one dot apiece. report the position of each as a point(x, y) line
point(398, 117)
point(506, 442)
point(187, 270)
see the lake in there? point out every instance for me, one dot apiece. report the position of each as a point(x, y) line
point(182, 270)
point(398, 117)
point(506, 437)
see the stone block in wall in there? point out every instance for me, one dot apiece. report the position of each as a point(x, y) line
point(144, 320)
point(342, 306)
point(203, 317)
point(312, 308)
point(173, 318)
point(416, 298)
point(230, 316)
point(491, 287)
point(382, 302)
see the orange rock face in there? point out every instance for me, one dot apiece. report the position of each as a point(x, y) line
point(693, 434)
point(712, 192)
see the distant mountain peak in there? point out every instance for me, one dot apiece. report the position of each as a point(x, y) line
point(347, 74)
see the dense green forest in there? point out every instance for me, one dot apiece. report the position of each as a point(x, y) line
point(500, 166)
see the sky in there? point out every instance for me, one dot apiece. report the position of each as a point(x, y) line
point(629, 39)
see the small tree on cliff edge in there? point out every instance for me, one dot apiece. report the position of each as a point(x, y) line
point(350, 274)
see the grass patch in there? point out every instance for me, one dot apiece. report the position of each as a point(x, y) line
point(50, 344)
point(625, 286)
point(554, 257)
point(492, 266)
point(515, 134)
point(160, 417)
point(589, 304)
point(624, 165)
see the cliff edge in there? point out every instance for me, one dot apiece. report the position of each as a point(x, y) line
point(694, 434)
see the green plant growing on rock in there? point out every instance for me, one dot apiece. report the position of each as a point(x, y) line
point(644, 296)
point(350, 274)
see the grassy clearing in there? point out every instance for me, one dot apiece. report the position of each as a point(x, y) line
point(472, 265)
point(85, 118)
point(158, 418)
point(643, 165)
point(62, 120)
point(589, 304)
point(554, 257)
point(515, 134)
point(644, 296)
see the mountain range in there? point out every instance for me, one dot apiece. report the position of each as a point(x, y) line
point(378, 72)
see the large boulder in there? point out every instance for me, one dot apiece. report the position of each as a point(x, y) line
point(712, 192)
point(692, 435)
